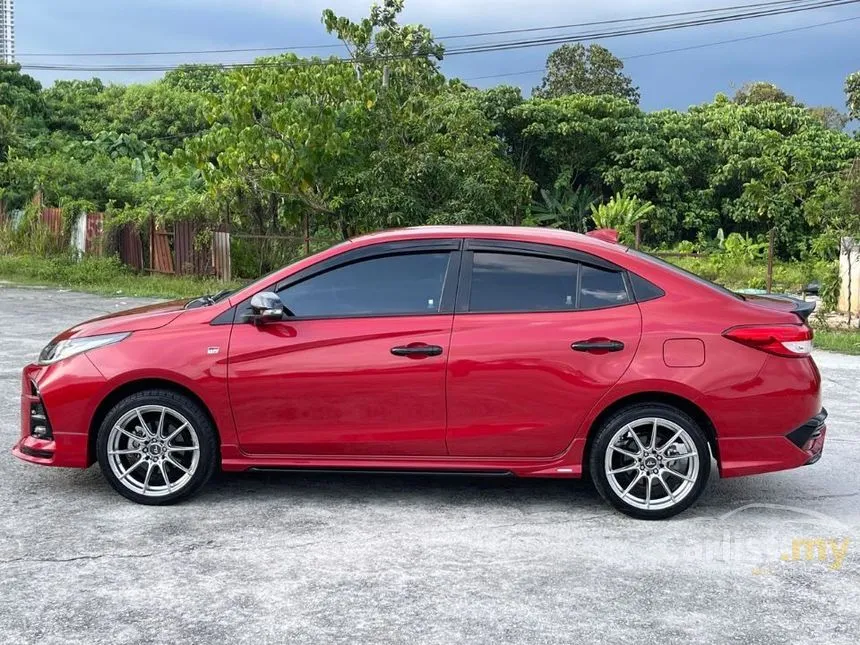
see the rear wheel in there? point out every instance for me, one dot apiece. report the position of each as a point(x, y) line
point(156, 447)
point(650, 461)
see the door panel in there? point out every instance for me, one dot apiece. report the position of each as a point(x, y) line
point(516, 388)
point(334, 387)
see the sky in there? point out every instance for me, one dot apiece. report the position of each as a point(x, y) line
point(810, 64)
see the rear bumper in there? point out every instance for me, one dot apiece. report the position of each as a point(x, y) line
point(754, 455)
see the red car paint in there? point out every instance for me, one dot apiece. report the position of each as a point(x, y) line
point(506, 393)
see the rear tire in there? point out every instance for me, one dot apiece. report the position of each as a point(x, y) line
point(157, 447)
point(650, 461)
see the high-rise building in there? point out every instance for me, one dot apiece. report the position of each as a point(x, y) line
point(7, 31)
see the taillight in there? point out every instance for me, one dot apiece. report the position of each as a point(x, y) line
point(782, 340)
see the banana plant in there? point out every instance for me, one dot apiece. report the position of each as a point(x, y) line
point(564, 208)
point(621, 213)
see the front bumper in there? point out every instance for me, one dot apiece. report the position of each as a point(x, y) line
point(66, 393)
point(755, 455)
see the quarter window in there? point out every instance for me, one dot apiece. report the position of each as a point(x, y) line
point(389, 285)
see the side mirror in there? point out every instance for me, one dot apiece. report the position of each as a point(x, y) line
point(267, 307)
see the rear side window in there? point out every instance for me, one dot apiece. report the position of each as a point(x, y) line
point(389, 285)
point(509, 282)
point(601, 288)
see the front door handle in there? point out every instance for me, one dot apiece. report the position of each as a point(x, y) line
point(417, 351)
point(597, 346)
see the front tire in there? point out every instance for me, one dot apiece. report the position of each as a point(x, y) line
point(650, 461)
point(156, 447)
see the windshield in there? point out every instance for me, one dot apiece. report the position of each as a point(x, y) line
point(696, 278)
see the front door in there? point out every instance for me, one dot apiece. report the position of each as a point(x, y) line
point(537, 341)
point(357, 368)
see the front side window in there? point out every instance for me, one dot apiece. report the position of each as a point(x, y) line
point(389, 285)
point(509, 282)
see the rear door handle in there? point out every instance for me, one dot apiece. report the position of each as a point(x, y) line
point(596, 346)
point(417, 351)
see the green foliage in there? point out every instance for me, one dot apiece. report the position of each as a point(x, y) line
point(762, 92)
point(621, 213)
point(101, 275)
point(564, 208)
point(852, 93)
point(577, 69)
point(845, 341)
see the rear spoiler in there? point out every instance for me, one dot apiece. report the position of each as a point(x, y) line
point(803, 308)
point(605, 234)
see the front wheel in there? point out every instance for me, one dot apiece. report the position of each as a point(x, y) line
point(650, 461)
point(156, 447)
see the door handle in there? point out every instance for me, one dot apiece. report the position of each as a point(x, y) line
point(417, 351)
point(597, 346)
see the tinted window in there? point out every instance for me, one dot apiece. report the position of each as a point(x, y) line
point(601, 288)
point(644, 290)
point(395, 284)
point(507, 282)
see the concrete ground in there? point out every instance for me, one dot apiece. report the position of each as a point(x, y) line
point(321, 558)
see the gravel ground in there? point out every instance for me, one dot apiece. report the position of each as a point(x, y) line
point(320, 558)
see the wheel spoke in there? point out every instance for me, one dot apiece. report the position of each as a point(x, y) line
point(653, 436)
point(170, 437)
point(176, 464)
point(687, 455)
point(623, 469)
point(648, 482)
point(128, 433)
point(183, 449)
point(631, 485)
point(128, 471)
point(150, 467)
point(666, 445)
point(142, 422)
point(161, 423)
point(164, 474)
point(666, 487)
point(130, 451)
point(636, 439)
point(678, 475)
point(626, 453)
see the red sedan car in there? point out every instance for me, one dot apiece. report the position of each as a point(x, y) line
point(532, 352)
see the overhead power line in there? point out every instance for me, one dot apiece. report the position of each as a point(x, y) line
point(488, 47)
point(681, 49)
point(440, 38)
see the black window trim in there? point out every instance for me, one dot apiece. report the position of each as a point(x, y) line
point(237, 313)
point(509, 247)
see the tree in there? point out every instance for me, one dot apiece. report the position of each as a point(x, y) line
point(564, 208)
point(762, 92)
point(852, 92)
point(594, 70)
point(830, 117)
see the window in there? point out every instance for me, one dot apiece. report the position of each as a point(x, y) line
point(509, 282)
point(601, 288)
point(394, 284)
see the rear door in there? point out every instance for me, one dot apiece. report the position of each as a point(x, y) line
point(540, 335)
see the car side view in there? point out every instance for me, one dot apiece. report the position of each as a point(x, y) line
point(531, 352)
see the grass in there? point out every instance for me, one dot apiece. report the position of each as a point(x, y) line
point(845, 341)
point(105, 276)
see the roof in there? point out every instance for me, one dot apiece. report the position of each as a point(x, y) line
point(522, 233)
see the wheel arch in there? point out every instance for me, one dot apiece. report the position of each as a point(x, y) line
point(667, 398)
point(132, 387)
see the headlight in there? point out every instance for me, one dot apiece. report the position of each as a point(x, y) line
point(65, 348)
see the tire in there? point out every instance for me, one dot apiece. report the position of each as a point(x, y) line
point(623, 451)
point(168, 460)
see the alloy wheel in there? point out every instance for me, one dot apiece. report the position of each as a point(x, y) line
point(153, 450)
point(652, 463)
